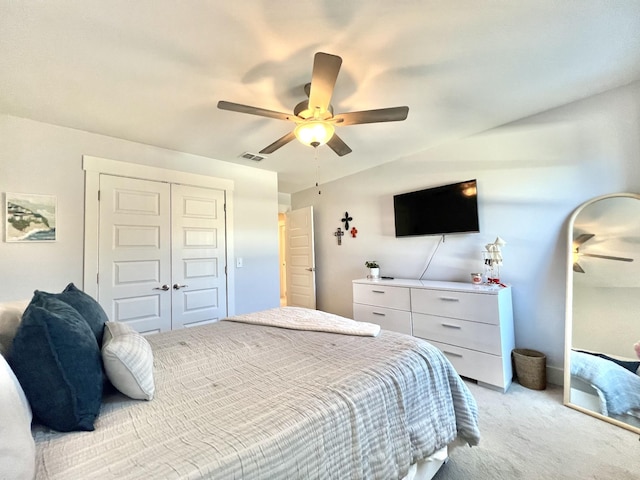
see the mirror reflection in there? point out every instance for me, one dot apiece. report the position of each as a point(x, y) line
point(602, 368)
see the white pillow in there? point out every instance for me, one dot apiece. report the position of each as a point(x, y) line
point(10, 317)
point(17, 448)
point(128, 361)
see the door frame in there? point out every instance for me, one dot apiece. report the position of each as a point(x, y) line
point(95, 166)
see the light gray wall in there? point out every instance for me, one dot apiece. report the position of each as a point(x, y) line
point(531, 175)
point(41, 158)
point(606, 320)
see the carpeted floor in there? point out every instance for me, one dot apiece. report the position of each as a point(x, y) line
point(529, 434)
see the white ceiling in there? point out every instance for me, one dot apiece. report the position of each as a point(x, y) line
point(615, 224)
point(152, 71)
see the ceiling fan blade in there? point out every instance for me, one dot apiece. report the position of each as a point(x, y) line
point(577, 268)
point(279, 143)
point(323, 79)
point(262, 112)
point(394, 114)
point(337, 145)
point(607, 257)
point(582, 238)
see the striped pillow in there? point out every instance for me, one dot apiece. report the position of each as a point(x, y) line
point(128, 361)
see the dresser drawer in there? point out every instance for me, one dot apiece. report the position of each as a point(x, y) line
point(387, 318)
point(382, 295)
point(477, 307)
point(482, 337)
point(477, 365)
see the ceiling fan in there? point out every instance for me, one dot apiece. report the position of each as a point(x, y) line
point(578, 242)
point(314, 118)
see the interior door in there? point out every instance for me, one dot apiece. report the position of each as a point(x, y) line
point(198, 258)
point(300, 258)
point(161, 254)
point(134, 261)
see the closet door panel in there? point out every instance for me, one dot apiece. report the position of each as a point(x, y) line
point(135, 252)
point(198, 259)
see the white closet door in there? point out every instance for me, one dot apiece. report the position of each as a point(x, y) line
point(198, 260)
point(134, 261)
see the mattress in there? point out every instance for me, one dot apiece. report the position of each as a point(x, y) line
point(235, 401)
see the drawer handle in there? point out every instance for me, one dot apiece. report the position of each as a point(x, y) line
point(450, 299)
point(449, 325)
point(379, 314)
point(377, 291)
point(453, 354)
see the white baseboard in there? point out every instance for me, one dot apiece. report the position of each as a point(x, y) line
point(555, 376)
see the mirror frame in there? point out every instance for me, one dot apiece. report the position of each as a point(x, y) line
point(568, 334)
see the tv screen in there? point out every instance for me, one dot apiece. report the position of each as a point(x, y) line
point(439, 210)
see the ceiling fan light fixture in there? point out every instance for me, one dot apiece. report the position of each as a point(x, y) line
point(314, 132)
point(314, 118)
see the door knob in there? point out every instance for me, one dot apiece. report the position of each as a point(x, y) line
point(178, 287)
point(310, 269)
point(163, 287)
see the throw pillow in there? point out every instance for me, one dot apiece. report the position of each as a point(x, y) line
point(87, 307)
point(10, 316)
point(57, 361)
point(17, 448)
point(128, 361)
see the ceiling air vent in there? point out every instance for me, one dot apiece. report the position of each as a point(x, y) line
point(252, 156)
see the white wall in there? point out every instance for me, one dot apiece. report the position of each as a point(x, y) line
point(531, 175)
point(41, 158)
point(606, 320)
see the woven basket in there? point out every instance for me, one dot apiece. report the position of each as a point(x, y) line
point(531, 368)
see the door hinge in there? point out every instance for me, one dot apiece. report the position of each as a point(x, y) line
point(224, 207)
point(98, 195)
point(97, 277)
point(225, 269)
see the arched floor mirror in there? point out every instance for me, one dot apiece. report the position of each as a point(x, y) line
point(601, 372)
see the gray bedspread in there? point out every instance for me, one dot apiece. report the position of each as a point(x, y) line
point(255, 402)
point(617, 387)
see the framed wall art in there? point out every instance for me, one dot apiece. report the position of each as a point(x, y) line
point(30, 217)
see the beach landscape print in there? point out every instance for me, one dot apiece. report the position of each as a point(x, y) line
point(30, 218)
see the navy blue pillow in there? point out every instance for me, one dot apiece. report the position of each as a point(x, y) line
point(57, 361)
point(87, 307)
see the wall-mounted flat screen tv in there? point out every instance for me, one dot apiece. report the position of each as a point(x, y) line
point(437, 211)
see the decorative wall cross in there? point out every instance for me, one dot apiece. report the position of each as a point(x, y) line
point(339, 233)
point(354, 232)
point(346, 220)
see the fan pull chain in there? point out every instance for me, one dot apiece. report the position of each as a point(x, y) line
point(317, 171)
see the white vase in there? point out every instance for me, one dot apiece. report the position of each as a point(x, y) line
point(374, 273)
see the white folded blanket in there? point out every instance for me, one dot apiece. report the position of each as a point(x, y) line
point(297, 318)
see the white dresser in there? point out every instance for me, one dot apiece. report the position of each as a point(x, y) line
point(471, 324)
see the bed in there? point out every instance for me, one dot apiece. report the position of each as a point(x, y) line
point(245, 400)
point(617, 388)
